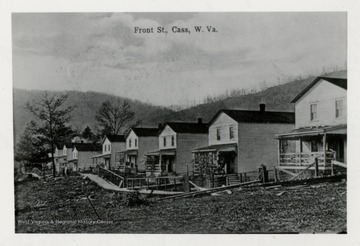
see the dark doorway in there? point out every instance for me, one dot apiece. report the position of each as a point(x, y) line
point(227, 161)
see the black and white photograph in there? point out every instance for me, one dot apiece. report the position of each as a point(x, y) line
point(180, 123)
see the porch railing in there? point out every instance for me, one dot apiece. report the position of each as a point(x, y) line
point(306, 158)
point(111, 176)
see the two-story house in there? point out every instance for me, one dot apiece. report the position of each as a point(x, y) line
point(320, 128)
point(111, 145)
point(241, 140)
point(82, 154)
point(176, 140)
point(59, 157)
point(140, 141)
point(67, 153)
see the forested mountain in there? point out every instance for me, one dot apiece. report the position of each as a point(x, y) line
point(276, 98)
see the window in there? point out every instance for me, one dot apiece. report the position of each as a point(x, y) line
point(129, 143)
point(231, 132)
point(109, 147)
point(164, 141)
point(339, 108)
point(314, 146)
point(218, 134)
point(313, 111)
point(104, 148)
point(135, 144)
point(172, 141)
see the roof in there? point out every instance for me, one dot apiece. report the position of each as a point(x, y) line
point(249, 116)
point(69, 145)
point(341, 82)
point(187, 127)
point(314, 131)
point(162, 152)
point(59, 145)
point(218, 147)
point(115, 138)
point(87, 147)
point(145, 132)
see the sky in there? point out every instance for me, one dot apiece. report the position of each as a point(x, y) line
point(101, 52)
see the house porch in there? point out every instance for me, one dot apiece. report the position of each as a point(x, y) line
point(299, 148)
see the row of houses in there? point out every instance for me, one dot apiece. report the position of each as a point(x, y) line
point(233, 141)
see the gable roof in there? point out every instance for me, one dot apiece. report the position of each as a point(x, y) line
point(249, 116)
point(114, 138)
point(341, 82)
point(144, 131)
point(69, 145)
point(87, 147)
point(59, 145)
point(187, 127)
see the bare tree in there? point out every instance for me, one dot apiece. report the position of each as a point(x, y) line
point(53, 117)
point(113, 116)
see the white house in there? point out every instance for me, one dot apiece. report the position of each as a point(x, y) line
point(240, 141)
point(176, 141)
point(140, 141)
point(82, 155)
point(320, 126)
point(111, 145)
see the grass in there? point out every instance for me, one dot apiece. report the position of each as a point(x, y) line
point(60, 206)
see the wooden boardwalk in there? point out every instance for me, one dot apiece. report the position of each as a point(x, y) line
point(109, 186)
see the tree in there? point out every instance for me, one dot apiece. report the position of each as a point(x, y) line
point(87, 133)
point(113, 116)
point(31, 149)
point(53, 117)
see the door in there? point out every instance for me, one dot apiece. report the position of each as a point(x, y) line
point(107, 163)
point(227, 161)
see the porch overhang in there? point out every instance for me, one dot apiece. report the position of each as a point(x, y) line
point(101, 156)
point(131, 152)
point(73, 160)
point(162, 152)
point(168, 152)
point(313, 131)
point(217, 148)
point(153, 153)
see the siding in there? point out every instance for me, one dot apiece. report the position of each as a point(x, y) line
point(325, 105)
point(257, 145)
point(84, 159)
point(106, 143)
point(186, 143)
point(167, 132)
point(132, 136)
point(146, 144)
point(223, 122)
point(116, 147)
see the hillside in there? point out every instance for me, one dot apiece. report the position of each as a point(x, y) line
point(86, 104)
point(276, 98)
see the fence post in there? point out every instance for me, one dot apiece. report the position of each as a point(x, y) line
point(316, 167)
point(332, 167)
point(186, 183)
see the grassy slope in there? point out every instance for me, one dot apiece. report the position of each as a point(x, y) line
point(315, 208)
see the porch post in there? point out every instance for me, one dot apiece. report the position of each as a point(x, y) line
point(160, 163)
point(301, 150)
point(279, 144)
point(324, 148)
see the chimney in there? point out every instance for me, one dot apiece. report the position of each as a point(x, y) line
point(262, 107)
point(200, 121)
point(159, 125)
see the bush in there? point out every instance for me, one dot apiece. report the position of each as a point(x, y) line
point(134, 199)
